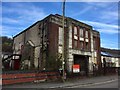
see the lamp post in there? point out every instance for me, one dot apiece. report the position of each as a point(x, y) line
point(63, 61)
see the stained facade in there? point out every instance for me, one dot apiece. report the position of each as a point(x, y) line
point(45, 38)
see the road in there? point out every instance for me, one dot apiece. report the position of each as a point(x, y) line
point(110, 81)
point(104, 84)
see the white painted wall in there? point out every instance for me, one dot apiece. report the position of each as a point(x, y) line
point(111, 59)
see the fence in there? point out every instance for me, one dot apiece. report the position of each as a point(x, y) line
point(110, 70)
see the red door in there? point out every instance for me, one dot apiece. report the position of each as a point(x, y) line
point(16, 64)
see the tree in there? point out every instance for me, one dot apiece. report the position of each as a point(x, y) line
point(6, 44)
point(53, 62)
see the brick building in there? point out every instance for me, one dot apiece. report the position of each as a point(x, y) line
point(45, 38)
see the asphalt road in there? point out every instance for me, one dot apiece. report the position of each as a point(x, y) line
point(104, 84)
point(94, 82)
point(113, 84)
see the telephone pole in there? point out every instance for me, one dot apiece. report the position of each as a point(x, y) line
point(63, 57)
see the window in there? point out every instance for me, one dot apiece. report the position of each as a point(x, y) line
point(86, 34)
point(87, 45)
point(81, 45)
point(60, 36)
point(94, 43)
point(81, 32)
point(75, 31)
point(75, 43)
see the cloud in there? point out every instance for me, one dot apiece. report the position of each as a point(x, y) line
point(10, 20)
point(100, 4)
point(82, 11)
point(107, 15)
point(9, 30)
point(103, 12)
point(25, 15)
point(60, 1)
point(109, 44)
point(103, 27)
point(108, 31)
point(99, 24)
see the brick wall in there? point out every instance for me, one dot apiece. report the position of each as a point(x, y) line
point(20, 77)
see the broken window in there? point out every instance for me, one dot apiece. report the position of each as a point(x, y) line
point(81, 45)
point(87, 46)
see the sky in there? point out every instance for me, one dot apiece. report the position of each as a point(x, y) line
point(102, 16)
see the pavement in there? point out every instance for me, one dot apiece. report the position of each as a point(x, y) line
point(70, 83)
point(0, 81)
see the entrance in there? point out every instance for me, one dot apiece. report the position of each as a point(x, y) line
point(83, 62)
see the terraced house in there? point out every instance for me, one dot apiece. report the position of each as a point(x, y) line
point(41, 45)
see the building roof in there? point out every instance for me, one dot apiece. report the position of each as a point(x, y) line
point(31, 26)
point(106, 54)
point(110, 52)
point(56, 15)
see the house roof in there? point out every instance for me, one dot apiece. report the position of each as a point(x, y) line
point(106, 54)
point(110, 52)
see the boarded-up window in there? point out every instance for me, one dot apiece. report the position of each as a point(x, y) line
point(94, 43)
point(86, 34)
point(81, 32)
point(75, 30)
point(81, 45)
point(60, 35)
point(75, 33)
point(75, 43)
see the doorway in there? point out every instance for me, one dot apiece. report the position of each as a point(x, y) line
point(82, 60)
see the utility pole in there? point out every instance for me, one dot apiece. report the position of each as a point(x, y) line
point(63, 57)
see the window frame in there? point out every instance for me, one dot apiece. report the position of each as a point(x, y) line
point(81, 32)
